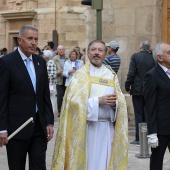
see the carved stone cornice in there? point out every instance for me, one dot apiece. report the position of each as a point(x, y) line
point(18, 15)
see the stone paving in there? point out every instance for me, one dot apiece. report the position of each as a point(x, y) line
point(133, 162)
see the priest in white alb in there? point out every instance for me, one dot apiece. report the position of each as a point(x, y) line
point(92, 133)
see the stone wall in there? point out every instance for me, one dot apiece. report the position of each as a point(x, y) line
point(129, 22)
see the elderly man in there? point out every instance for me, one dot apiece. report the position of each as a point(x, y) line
point(93, 126)
point(157, 98)
point(140, 63)
point(59, 61)
point(113, 59)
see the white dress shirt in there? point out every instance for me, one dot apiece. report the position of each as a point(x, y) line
point(164, 69)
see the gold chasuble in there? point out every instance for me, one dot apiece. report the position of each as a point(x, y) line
point(70, 146)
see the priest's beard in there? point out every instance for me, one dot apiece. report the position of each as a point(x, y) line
point(96, 63)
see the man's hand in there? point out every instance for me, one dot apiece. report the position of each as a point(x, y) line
point(50, 132)
point(3, 139)
point(153, 140)
point(109, 99)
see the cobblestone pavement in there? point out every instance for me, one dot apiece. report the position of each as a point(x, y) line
point(133, 162)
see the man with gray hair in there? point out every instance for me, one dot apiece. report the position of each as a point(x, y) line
point(145, 45)
point(113, 60)
point(157, 99)
point(59, 61)
point(140, 63)
point(24, 93)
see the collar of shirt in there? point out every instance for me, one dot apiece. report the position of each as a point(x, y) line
point(94, 69)
point(62, 57)
point(163, 67)
point(23, 56)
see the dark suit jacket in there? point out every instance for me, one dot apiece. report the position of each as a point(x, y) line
point(17, 97)
point(157, 98)
point(140, 63)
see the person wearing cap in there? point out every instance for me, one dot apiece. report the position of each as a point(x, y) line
point(140, 63)
point(113, 60)
point(51, 70)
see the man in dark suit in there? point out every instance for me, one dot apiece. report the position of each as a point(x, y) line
point(157, 98)
point(24, 93)
point(140, 63)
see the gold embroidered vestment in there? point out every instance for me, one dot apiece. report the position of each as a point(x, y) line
point(70, 146)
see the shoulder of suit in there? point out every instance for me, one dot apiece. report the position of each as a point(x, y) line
point(152, 71)
point(144, 52)
point(9, 56)
point(38, 57)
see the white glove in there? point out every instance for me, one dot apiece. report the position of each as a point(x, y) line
point(153, 140)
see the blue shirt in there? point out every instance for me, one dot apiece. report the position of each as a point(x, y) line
point(62, 60)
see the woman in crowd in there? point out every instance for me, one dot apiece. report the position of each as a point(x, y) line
point(71, 65)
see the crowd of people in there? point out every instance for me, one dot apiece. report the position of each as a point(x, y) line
point(93, 127)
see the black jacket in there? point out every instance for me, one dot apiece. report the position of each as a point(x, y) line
point(157, 98)
point(17, 97)
point(140, 63)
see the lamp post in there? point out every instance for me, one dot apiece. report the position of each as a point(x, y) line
point(98, 5)
point(99, 24)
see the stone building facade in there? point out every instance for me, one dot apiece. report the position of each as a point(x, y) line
point(126, 21)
